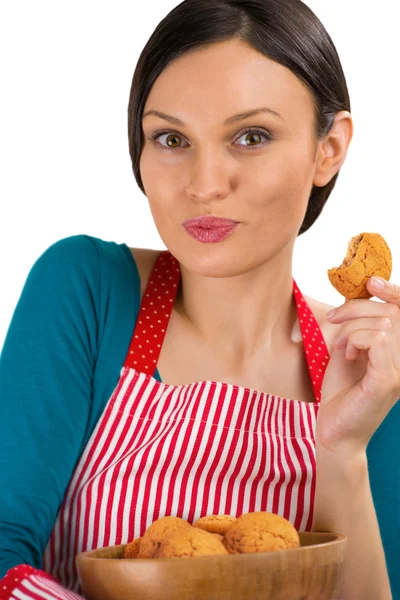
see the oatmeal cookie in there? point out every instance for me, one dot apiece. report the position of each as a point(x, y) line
point(368, 254)
point(260, 532)
point(132, 549)
point(215, 523)
point(191, 541)
point(157, 532)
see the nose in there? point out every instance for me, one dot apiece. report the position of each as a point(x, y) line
point(209, 177)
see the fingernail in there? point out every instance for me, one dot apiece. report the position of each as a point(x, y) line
point(378, 283)
point(331, 313)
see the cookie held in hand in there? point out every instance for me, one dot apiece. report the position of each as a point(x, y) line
point(368, 254)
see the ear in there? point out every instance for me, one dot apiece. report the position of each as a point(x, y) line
point(332, 149)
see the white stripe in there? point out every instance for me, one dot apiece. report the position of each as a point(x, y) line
point(37, 589)
point(18, 595)
point(65, 593)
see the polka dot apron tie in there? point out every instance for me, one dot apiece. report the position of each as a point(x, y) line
point(189, 450)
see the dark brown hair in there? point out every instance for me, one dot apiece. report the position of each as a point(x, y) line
point(286, 31)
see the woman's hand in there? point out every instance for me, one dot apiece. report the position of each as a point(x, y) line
point(362, 380)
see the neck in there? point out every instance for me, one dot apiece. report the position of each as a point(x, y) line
point(244, 315)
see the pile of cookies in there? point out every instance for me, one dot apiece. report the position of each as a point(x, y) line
point(173, 537)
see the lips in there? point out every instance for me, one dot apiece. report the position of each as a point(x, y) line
point(209, 229)
point(209, 222)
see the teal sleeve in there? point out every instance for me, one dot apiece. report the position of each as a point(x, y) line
point(60, 362)
point(383, 454)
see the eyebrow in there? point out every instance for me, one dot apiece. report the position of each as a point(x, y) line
point(238, 117)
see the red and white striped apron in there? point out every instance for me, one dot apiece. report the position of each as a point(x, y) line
point(189, 450)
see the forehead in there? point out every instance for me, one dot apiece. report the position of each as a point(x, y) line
point(211, 83)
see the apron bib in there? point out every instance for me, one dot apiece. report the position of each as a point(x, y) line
point(190, 450)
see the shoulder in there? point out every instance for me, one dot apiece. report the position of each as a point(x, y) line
point(83, 268)
point(84, 254)
point(82, 246)
point(68, 253)
point(145, 259)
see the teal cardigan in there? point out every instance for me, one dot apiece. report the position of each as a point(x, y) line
point(59, 365)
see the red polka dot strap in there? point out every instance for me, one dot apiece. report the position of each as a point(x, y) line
point(155, 312)
point(317, 353)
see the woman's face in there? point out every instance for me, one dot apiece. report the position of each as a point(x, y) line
point(207, 165)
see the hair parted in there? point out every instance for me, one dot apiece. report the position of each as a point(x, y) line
point(286, 31)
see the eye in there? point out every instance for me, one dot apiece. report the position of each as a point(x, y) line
point(252, 139)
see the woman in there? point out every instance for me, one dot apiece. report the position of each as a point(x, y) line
point(132, 378)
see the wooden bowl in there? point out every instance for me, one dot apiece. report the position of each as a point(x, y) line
point(310, 572)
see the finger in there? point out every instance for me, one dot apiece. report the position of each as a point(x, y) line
point(353, 309)
point(390, 292)
point(381, 379)
point(374, 323)
point(379, 349)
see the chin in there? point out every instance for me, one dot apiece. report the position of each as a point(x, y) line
point(217, 260)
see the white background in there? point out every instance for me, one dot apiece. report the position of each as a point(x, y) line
point(66, 71)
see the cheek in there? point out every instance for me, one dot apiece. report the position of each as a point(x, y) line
point(279, 195)
point(280, 188)
point(161, 186)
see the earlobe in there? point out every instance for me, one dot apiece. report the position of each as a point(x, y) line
point(332, 149)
